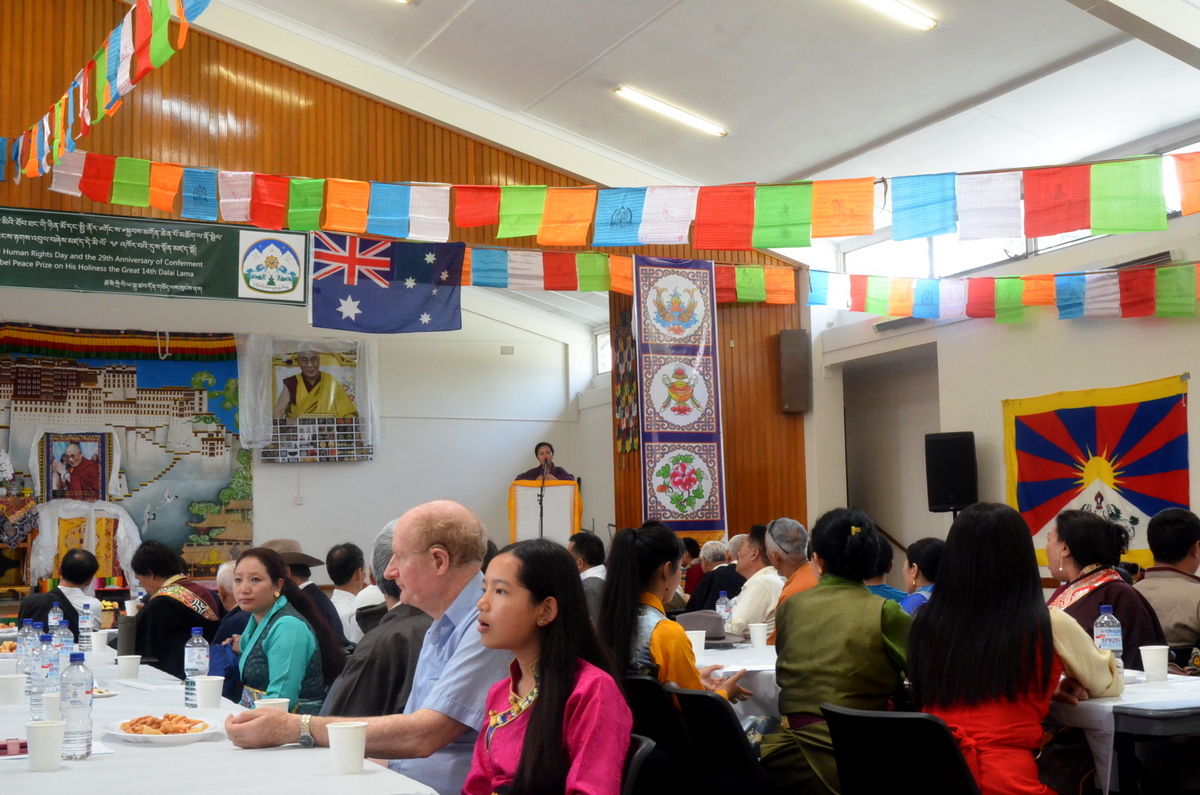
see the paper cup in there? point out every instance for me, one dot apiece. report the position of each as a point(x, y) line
point(696, 636)
point(758, 635)
point(272, 703)
point(127, 666)
point(101, 637)
point(348, 741)
point(208, 691)
point(45, 745)
point(1154, 660)
point(132, 606)
point(53, 706)
point(8, 667)
point(12, 689)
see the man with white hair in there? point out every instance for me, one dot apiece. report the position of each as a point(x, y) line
point(235, 619)
point(437, 555)
point(787, 550)
point(718, 577)
point(735, 546)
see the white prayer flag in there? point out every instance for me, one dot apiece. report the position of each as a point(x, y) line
point(124, 68)
point(235, 189)
point(837, 294)
point(667, 216)
point(952, 298)
point(67, 173)
point(525, 270)
point(989, 205)
point(429, 213)
point(1102, 295)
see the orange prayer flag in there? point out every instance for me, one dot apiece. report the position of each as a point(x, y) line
point(465, 280)
point(1187, 170)
point(621, 270)
point(1039, 290)
point(843, 207)
point(346, 202)
point(780, 284)
point(164, 184)
point(181, 12)
point(566, 216)
point(900, 298)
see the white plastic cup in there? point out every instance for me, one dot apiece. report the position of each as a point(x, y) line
point(273, 703)
point(127, 666)
point(696, 636)
point(12, 689)
point(45, 745)
point(8, 667)
point(758, 635)
point(1154, 660)
point(132, 606)
point(348, 741)
point(53, 705)
point(208, 691)
point(101, 637)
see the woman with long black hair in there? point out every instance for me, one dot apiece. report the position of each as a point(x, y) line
point(559, 723)
point(985, 654)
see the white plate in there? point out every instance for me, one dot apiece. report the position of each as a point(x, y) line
point(113, 730)
point(8, 655)
point(98, 693)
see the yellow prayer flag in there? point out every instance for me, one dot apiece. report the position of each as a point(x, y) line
point(346, 203)
point(567, 216)
point(900, 298)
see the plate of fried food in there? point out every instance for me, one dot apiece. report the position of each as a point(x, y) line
point(8, 648)
point(170, 729)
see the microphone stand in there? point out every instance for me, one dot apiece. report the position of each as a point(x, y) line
point(541, 503)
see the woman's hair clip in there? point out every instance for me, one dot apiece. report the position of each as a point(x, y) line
point(855, 530)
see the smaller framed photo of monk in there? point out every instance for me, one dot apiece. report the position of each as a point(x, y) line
point(76, 465)
point(310, 383)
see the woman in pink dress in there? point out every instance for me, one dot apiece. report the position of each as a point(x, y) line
point(559, 723)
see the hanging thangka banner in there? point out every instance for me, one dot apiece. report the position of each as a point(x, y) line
point(137, 256)
point(1121, 453)
point(683, 470)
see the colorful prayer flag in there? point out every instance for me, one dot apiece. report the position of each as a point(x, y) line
point(269, 202)
point(725, 284)
point(839, 291)
point(160, 41)
point(476, 205)
point(164, 185)
point(1187, 171)
point(725, 218)
point(566, 216)
point(751, 285)
point(818, 288)
point(525, 270)
point(112, 70)
point(782, 216)
point(927, 299)
point(67, 173)
point(489, 267)
point(1127, 196)
point(843, 207)
point(900, 299)
point(305, 199)
point(125, 67)
point(1010, 306)
point(236, 190)
point(4, 160)
point(989, 205)
point(923, 206)
point(1068, 295)
point(1057, 200)
point(618, 218)
point(879, 292)
point(1175, 291)
point(1137, 292)
point(199, 194)
point(521, 209)
point(952, 298)
point(97, 180)
point(592, 268)
point(466, 271)
point(558, 271)
point(858, 292)
point(143, 29)
point(347, 205)
point(620, 271)
point(981, 297)
point(667, 216)
point(780, 284)
point(429, 213)
point(1039, 290)
point(131, 182)
point(1102, 295)
point(387, 212)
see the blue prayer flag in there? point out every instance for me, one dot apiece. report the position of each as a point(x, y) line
point(114, 60)
point(387, 212)
point(194, 8)
point(489, 267)
point(619, 216)
point(199, 194)
point(3, 159)
point(927, 300)
point(1068, 295)
point(71, 117)
point(818, 288)
point(384, 286)
point(923, 206)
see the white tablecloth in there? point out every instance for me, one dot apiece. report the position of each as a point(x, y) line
point(203, 768)
point(759, 678)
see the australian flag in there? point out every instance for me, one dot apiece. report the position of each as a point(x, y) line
point(384, 286)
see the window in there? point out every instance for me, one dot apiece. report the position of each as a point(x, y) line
point(603, 352)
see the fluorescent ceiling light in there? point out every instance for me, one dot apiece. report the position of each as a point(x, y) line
point(669, 110)
point(906, 14)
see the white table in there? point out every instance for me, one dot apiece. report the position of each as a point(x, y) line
point(201, 768)
point(759, 678)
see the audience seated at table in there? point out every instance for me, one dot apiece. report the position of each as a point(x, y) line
point(1171, 585)
point(175, 605)
point(985, 654)
point(75, 573)
point(437, 551)
point(1082, 550)
point(558, 722)
point(378, 676)
point(760, 595)
point(837, 643)
point(643, 570)
point(720, 575)
point(587, 550)
point(288, 650)
point(347, 570)
point(299, 571)
point(921, 562)
point(693, 572)
point(876, 584)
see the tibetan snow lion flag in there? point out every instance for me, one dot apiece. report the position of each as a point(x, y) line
point(1120, 452)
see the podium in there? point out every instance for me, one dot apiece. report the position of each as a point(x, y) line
point(562, 507)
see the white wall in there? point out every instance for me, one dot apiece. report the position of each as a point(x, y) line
point(458, 419)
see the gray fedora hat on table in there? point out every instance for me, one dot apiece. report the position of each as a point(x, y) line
point(291, 553)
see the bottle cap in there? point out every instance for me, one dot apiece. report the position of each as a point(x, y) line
point(65, 623)
point(78, 657)
point(197, 631)
point(28, 622)
point(56, 604)
point(1106, 610)
point(38, 625)
point(47, 638)
point(722, 593)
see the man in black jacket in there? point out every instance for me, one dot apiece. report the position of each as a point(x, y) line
point(75, 572)
point(719, 576)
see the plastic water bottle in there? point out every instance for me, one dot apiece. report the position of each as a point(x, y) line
point(35, 642)
point(195, 663)
point(724, 607)
point(75, 687)
point(85, 627)
point(45, 677)
point(26, 639)
point(1107, 633)
point(65, 642)
point(56, 615)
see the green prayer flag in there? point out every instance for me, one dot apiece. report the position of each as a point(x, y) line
point(1175, 291)
point(131, 182)
point(521, 210)
point(160, 33)
point(306, 197)
point(879, 294)
point(100, 76)
point(782, 216)
point(57, 115)
point(1127, 196)
point(592, 268)
point(751, 284)
point(1010, 297)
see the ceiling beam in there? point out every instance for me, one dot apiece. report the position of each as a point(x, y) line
point(1172, 26)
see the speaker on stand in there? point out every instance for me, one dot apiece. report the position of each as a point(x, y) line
point(951, 474)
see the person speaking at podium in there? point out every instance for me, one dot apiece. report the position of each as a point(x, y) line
point(545, 468)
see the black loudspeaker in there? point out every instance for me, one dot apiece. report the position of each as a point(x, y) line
point(795, 371)
point(951, 476)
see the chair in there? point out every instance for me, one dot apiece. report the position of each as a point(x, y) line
point(730, 764)
point(639, 748)
point(871, 746)
point(655, 717)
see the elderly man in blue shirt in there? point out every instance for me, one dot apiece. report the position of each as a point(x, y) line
point(437, 553)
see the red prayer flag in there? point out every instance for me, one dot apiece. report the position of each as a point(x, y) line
point(143, 27)
point(476, 205)
point(726, 280)
point(1138, 297)
point(1057, 200)
point(724, 218)
point(269, 201)
point(558, 271)
point(981, 297)
point(858, 293)
point(97, 180)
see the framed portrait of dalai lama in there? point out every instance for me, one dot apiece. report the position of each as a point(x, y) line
point(76, 466)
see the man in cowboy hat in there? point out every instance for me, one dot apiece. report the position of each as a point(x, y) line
point(300, 571)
